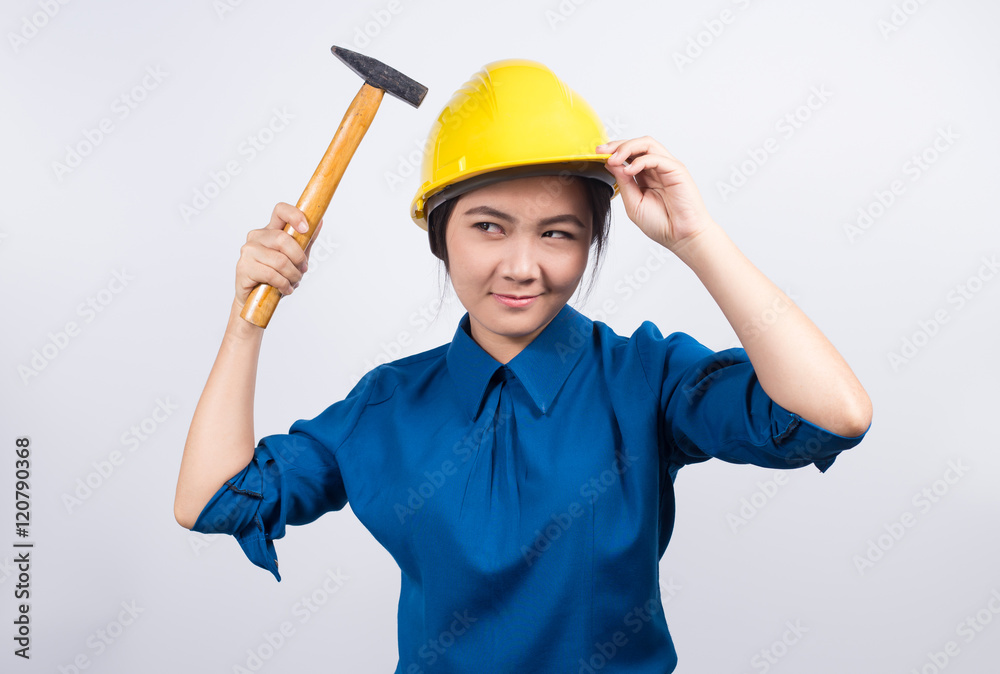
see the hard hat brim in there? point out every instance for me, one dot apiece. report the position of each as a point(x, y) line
point(591, 166)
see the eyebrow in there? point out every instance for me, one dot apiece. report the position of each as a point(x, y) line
point(489, 210)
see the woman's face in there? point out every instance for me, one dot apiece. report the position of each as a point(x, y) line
point(524, 238)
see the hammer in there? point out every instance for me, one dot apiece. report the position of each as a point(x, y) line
point(379, 78)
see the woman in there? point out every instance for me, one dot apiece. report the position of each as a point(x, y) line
point(522, 475)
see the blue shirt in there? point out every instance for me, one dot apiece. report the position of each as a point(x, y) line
point(527, 504)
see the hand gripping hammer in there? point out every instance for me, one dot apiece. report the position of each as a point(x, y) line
point(379, 78)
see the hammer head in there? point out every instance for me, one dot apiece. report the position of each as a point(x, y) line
point(379, 75)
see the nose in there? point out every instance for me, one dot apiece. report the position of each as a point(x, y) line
point(520, 261)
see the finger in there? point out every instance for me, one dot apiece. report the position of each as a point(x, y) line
point(658, 148)
point(284, 214)
point(650, 145)
point(268, 276)
point(636, 147)
point(261, 240)
point(627, 187)
point(291, 249)
point(659, 163)
point(313, 239)
point(624, 152)
point(609, 146)
point(265, 266)
point(276, 269)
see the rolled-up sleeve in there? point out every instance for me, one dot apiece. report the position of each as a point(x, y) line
point(712, 405)
point(292, 479)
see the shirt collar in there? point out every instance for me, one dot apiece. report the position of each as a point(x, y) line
point(542, 367)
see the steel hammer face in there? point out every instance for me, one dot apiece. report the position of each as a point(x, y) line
point(379, 75)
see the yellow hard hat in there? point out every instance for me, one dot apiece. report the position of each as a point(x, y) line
point(514, 118)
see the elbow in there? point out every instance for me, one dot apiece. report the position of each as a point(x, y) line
point(183, 516)
point(857, 416)
point(848, 415)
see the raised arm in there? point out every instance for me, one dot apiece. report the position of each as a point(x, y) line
point(221, 441)
point(794, 362)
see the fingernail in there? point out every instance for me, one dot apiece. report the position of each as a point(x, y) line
point(303, 227)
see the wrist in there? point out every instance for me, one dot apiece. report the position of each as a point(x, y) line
point(238, 327)
point(708, 240)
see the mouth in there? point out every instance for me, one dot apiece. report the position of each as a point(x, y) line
point(515, 300)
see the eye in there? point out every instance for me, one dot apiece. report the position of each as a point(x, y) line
point(487, 224)
point(562, 235)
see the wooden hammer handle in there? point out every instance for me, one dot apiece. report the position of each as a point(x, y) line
point(261, 303)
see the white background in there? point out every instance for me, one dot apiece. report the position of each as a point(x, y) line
point(221, 75)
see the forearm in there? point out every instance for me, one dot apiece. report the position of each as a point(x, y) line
point(220, 441)
point(796, 365)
